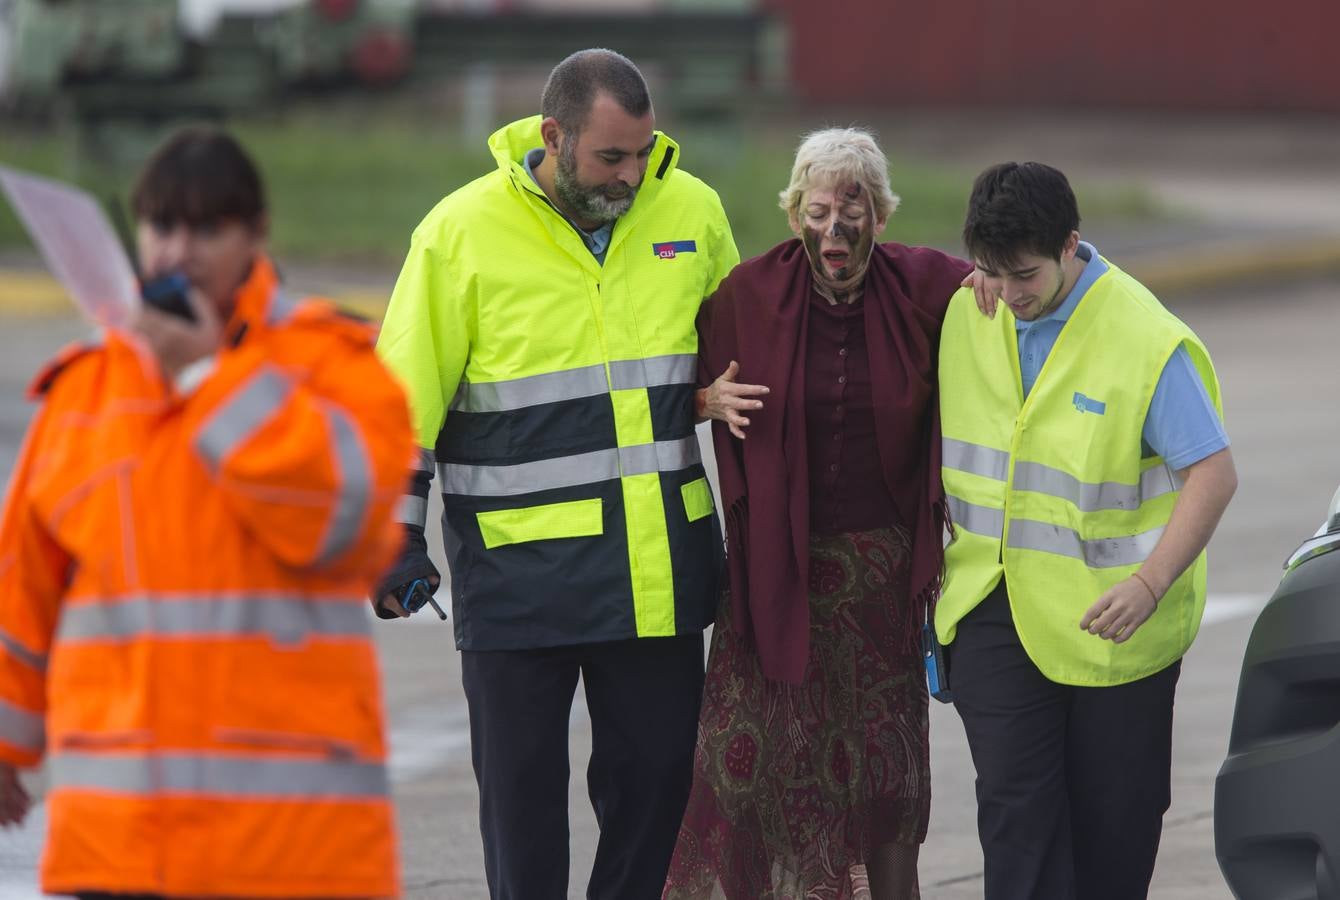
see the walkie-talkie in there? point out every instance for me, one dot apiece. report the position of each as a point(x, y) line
point(167, 293)
point(937, 665)
point(416, 594)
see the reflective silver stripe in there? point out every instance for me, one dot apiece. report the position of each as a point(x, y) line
point(678, 368)
point(245, 411)
point(354, 491)
point(235, 775)
point(1158, 481)
point(981, 520)
point(662, 456)
point(568, 471)
point(976, 459)
point(284, 620)
point(1038, 478)
point(575, 384)
point(282, 307)
point(517, 393)
point(22, 653)
point(1029, 534)
point(1089, 497)
point(1104, 553)
point(424, 461)
point(412, 510)
point(639, 460)
point(21, 728)
point(504, 481)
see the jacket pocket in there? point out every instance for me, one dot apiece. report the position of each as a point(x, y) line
point(286, 742)
point(120, 739)
point(697, 499)
point(574, 518)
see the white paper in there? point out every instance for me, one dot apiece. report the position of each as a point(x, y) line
point(74, 236)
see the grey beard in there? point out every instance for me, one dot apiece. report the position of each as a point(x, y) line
point(588, 204)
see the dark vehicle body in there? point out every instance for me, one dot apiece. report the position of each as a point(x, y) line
point(1277, 797)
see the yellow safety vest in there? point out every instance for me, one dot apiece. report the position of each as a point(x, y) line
point(555, 395)
point(1052, 492)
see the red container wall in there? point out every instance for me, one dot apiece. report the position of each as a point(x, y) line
point(1230, 54)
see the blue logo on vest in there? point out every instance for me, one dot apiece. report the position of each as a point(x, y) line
point(670, 249)
point(1085, 404)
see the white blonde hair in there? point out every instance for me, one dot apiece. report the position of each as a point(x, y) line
point(836, 156)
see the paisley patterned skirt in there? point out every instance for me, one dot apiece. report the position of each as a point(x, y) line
point(795, 784)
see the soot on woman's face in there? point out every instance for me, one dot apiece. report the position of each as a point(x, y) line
point(837, 230)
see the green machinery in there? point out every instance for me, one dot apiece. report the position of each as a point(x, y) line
point(114, 59)
point(97, 61)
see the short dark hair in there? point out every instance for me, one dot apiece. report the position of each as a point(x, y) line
point(1018, 208)
point(197, 176)
point(571, 89)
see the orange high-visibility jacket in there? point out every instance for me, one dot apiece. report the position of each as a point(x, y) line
point(183, 622)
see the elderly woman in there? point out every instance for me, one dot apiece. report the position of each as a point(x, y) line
point(812, 753)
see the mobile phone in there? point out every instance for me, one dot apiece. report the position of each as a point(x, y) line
point(937, 665)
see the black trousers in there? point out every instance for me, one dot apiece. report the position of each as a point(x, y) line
point(1072, 783)
point(643, 696)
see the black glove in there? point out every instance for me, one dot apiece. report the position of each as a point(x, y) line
point(413, 563)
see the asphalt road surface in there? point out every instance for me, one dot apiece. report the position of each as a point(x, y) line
point(1275, 349)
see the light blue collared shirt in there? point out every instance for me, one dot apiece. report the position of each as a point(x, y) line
point(1182, 425)
point(598, 241)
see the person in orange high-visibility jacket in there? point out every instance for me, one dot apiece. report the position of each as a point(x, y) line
point(191, 532)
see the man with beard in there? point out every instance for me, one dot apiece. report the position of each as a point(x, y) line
point(544, 326)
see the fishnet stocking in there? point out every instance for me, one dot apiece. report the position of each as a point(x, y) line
point(892, 872)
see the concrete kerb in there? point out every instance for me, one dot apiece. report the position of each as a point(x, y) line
point(32, 293)
point(1196, 267)
point(1210, 265)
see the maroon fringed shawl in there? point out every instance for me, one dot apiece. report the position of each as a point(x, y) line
point(757, 317)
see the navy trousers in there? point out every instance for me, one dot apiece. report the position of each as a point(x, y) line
point(643, 696)
point(1072, 783)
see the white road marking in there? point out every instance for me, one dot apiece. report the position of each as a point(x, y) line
point(1223, 607)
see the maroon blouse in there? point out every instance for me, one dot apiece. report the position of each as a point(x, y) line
point(847, 489)
point(760, 317)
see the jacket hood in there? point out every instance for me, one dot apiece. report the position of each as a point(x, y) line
point(510, 144)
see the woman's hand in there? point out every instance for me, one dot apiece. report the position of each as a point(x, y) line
point(725, 400)
point(986, 299)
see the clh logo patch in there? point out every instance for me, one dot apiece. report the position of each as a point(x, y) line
point(1085, 404)
point(671, 249)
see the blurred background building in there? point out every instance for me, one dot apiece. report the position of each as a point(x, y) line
point(1187, 54)
point(215, 54)
point(97, 59)
point(380, 106)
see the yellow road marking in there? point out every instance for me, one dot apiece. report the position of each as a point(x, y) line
point(31, 293)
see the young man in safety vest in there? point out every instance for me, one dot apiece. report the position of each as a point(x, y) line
point(544, 326)
point(1086, 468)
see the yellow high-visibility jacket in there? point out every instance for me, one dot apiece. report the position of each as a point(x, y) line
point(554, 395)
